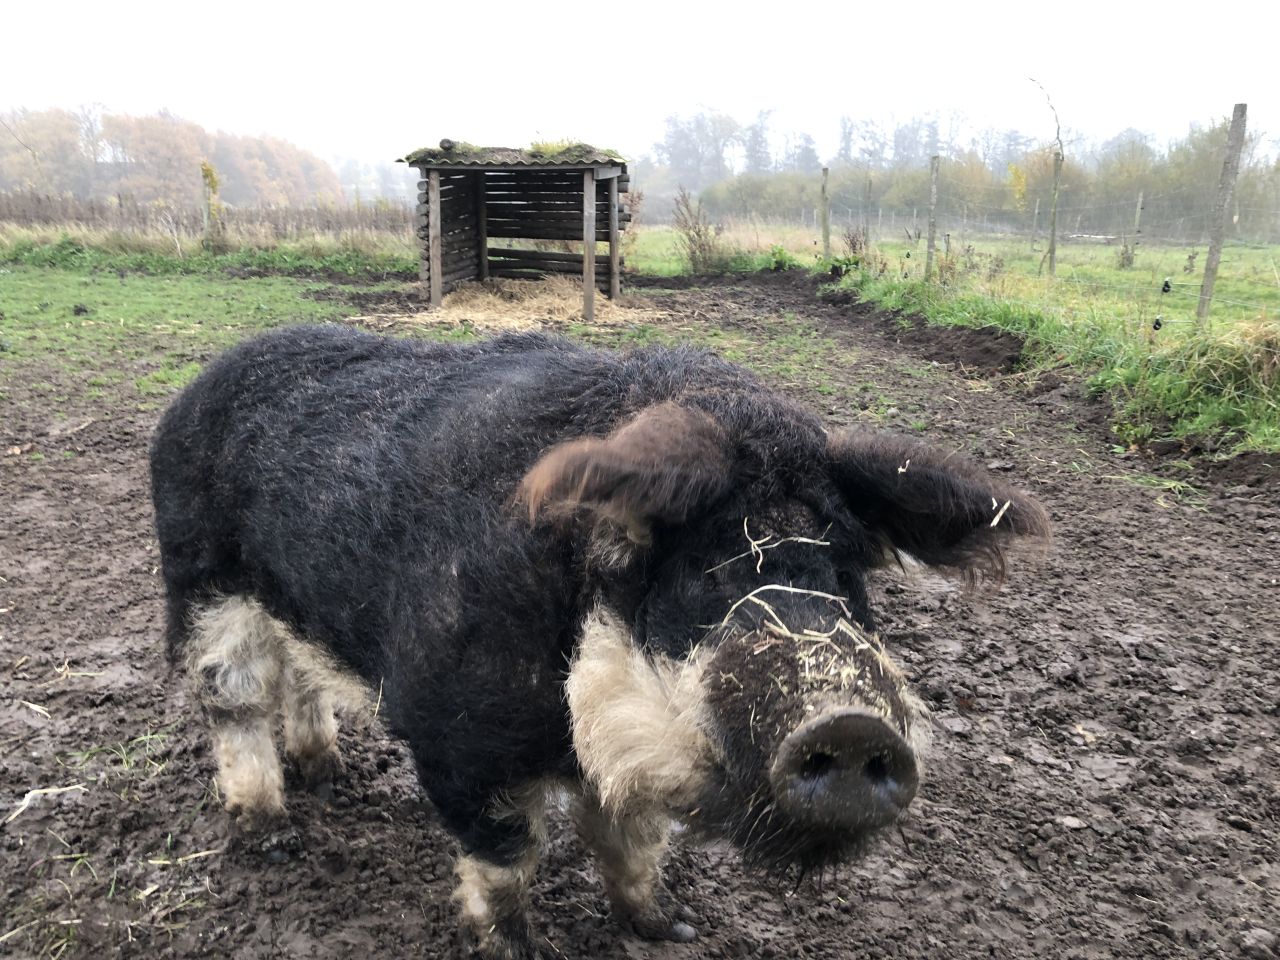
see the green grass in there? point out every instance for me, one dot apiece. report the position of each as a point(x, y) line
point(1089, 278)
point(655, 252)
point(150, 332)
point(1179, 381)
point(299, 259)
point(121, 314)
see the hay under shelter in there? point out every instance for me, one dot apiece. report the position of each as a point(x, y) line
point(469, 197)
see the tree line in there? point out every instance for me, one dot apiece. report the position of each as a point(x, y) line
point(88, 155)
point(999, 179)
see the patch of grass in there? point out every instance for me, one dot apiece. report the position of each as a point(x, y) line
point(124, 765)
point(1180, 490)
point(150, 332)
point(168, 378)
point(655, 252)
point(155, 256)
point(1222, 382)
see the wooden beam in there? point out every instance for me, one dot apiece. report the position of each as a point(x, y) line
point(422, 230)
point(543, 256)
point(545, 268)
point(507, 230)
point(482, 227)
point(615, 248)
point(589, 245)
point(434, 247)
point(608, 173)
point(534, 273)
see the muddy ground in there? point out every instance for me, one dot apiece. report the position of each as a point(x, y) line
point(1104, 782)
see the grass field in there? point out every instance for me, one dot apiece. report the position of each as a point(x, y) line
point(1216, 386)
point(151, 326)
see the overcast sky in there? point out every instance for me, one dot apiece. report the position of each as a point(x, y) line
point(375, 80)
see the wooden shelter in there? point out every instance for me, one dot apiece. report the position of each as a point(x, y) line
point(471, 196)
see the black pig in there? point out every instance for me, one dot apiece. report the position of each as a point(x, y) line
point(639, 577)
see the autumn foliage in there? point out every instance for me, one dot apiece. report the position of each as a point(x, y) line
point(86, 156)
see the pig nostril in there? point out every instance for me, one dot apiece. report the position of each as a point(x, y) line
point(816, 765)
point(845, 769)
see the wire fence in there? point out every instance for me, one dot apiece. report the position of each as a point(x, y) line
point(125, 214)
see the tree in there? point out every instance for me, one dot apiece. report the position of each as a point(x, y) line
point(758, 159)
point(844, 152)
point(695, 148)
point(803, 157)
point(43, 151)
point(157, 157)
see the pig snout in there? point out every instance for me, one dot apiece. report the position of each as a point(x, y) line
point(845, 769)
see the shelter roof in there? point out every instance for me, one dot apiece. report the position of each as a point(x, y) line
point(457, 155)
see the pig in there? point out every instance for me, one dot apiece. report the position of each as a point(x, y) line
point(636, 578)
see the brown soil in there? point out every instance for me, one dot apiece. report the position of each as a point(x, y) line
point(1104, 780)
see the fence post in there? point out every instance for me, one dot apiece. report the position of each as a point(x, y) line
point(1053, 215)
point(866, 207)
point(1137, 222)
point(826, 218)
point(1035, 224)
point(1218, 226)
point(933, 222)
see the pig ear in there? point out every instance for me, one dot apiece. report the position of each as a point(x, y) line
point(937, 507)
point(662, 465)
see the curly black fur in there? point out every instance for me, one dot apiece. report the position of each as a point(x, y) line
point(363, 489)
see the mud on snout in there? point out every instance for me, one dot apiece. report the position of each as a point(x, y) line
point(799, 747)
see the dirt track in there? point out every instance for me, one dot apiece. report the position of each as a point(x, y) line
point(1105, 779)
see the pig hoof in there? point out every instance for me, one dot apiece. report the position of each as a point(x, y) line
point(505, 940)
point(668, 921)
point(318, 772)
point(271, 838)
point(257, 821)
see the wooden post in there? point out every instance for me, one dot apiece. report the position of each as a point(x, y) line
point(435, 233)
point(422, 221)
point(933, 221)
point(826, 218)
point(1137, 222)
point(589, 245)
point(482, 226)
point(1218, 226)
point(615, 248)
point(866, 207)
point(1053, 215)
point(1035, 223)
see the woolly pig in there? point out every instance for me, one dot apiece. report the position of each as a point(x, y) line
point(637, 577)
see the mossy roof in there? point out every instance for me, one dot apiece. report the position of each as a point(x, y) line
point(459, 154)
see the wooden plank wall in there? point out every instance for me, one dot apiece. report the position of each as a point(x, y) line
point(514, 205)
point(460, 239)
point(544, 205)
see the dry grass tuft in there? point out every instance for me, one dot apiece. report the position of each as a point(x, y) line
point(1261, 340)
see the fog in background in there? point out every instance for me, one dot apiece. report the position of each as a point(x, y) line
point(357, 86)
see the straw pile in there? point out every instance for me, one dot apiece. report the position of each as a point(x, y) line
point(503, 305)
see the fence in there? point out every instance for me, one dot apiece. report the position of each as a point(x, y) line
point(127, 215)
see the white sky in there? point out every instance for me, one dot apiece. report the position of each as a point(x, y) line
point(374, 79)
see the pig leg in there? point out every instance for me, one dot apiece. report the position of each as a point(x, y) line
point(493, 890)
point(629, 849)
point(236, 658)
point(494, 900)
point(310, 728)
